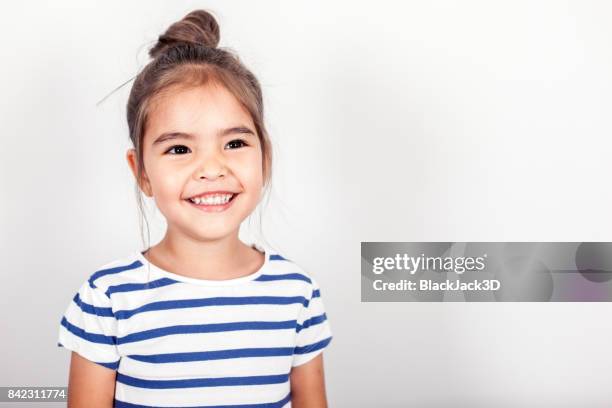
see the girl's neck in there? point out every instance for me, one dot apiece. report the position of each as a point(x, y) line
point(226, 258)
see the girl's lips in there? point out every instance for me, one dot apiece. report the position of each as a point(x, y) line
point(213, 207)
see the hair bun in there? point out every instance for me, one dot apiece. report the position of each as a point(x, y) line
point(198, 27)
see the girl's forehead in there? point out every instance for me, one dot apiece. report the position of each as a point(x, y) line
point(202, 107)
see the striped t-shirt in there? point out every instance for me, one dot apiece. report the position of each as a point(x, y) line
point(187, 342)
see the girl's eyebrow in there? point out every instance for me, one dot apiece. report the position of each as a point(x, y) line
point(221, 133)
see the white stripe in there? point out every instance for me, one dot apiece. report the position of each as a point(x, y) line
point(134, 299)
point(235, 367)
point(210, 341)
point(233, 395)
point(207, 315)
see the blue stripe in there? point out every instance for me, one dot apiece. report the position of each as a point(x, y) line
point(213, 355)
point(112, 366)
point(130, 287)
point(91, 309)
point(312, 347)
point(213, 301)
point(277, 257)
point(315, 294)
point(205, 328)
point(92, 337)
point(286, 276)
point(311, 322)
point(202, 382)
point(110, 271)
point(277, 404)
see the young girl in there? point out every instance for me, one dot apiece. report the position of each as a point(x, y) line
point(201, 319)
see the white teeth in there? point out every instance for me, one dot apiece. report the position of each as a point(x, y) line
point(215, 199)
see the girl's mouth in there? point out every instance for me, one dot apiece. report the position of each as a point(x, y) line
point(213, 203)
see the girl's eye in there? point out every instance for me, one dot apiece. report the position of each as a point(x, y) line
point(237, 143)
point(178, 147)
point(234, 144)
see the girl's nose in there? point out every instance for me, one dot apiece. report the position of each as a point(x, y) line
point(211, 166)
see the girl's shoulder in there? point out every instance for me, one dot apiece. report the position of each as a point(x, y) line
point(125, 269)
point(280, 267)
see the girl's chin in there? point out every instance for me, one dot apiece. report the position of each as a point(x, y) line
point(210, 229)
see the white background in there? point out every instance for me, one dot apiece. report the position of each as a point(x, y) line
point(391, 121)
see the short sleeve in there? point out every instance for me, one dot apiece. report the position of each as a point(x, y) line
point(313, 328)
point(89, 327)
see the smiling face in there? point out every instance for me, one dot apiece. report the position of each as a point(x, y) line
point(200, 140)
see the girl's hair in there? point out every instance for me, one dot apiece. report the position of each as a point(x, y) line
point(186, 56)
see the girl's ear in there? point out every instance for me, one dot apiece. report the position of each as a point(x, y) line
point(144, 184)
